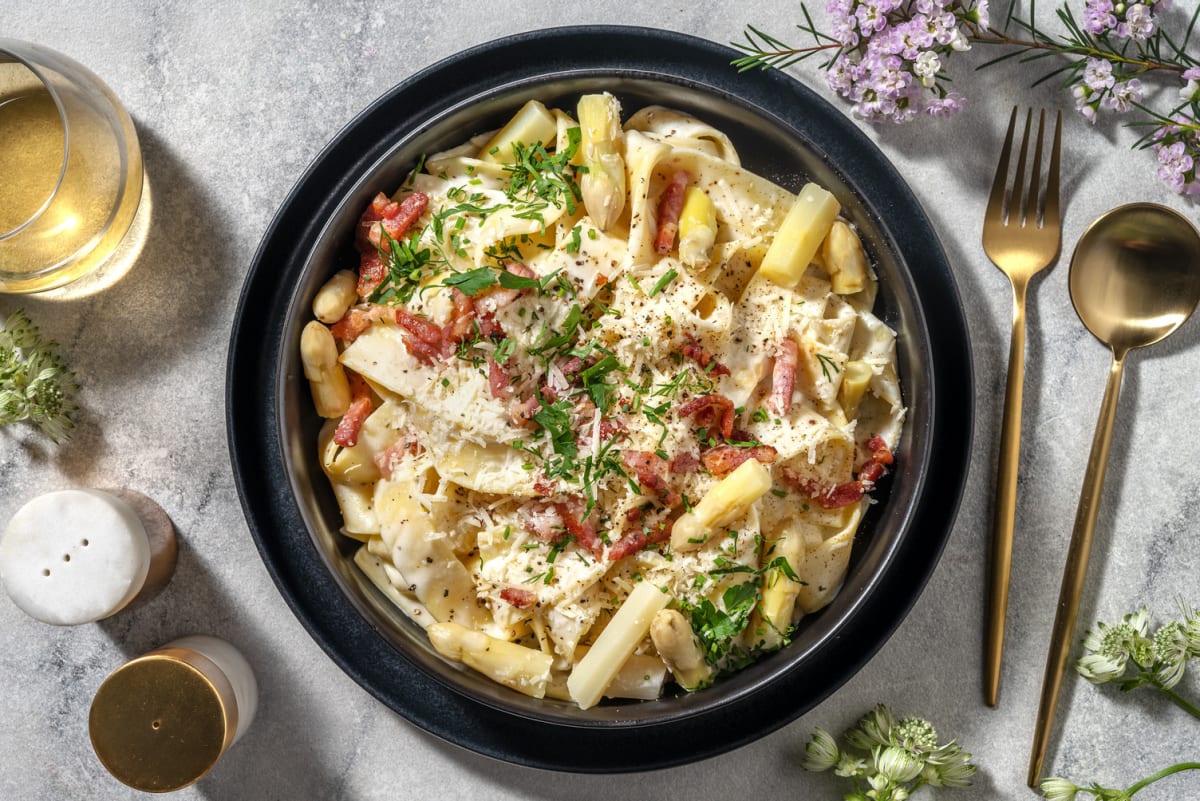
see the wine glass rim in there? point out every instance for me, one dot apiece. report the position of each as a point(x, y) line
point(7, 51)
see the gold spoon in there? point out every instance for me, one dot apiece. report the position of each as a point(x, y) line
point(1134, 278)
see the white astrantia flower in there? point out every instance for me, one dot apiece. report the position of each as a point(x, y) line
point(897, 763)
point(900, 756)
point(1170, 653)
point(821, 753)
point(1099, 669)
point(1055, 789)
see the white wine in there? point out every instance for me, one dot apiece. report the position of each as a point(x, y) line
point(31, 156)
point(69, 192)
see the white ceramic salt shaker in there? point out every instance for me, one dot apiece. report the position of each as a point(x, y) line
point(81, 555)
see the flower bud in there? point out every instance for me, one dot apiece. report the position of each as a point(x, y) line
point(897, 764)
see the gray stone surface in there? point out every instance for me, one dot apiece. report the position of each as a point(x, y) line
point(232, 101)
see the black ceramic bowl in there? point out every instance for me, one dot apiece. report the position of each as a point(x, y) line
point(783, 131)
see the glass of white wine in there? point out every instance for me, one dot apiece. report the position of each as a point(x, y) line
point(70, 169)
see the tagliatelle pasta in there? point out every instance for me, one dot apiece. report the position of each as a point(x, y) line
point(584, 440)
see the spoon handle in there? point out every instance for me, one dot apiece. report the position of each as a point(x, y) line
point(1075, 571)
point(1004, 515)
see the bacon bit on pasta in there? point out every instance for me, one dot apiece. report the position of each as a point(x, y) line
point(847, 492)
point(685, 462)
point(356, 321)
point(711, 411)
point(579, 526)
point(371, 272)
point(390, 457)
point(499, 296)
point(638, 540)
point(423, 338)
point(346, 434)
point(880, 452)
point(611, 427)
point(700, 355)
point(522, 411)
point(395, 218)
point(783, 376)
point(461, 318)
point(571, 367)
point(499, 381)
point(652, 471)
point(725, 459)
point(542, 520)
point(488, 327)
point(670, 204)
point(518, 597)
point(545, 486)
point(382, 215)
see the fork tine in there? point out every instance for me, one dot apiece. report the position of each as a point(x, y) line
point(1035, 176)
point(995, 206)
point(1051, 213)
point(1016, 205)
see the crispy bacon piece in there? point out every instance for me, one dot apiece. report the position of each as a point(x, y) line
point(423, 338)
point(700, 355)
point(356, 321)
point(712, 411)
point(395, 218)
point(652, 471)
point(571, 367)
point(371, 272)
point(488, 327)
point(542, 520)
point(544, 486)
point(611, 427)
point(638, 540)
point(783, 376)
point(461, 318)
point(383, 215)
point(522, 411)
point(390, 457)
point(519, 597)
point(499, 381)
point(725, 459)
point(685, 462)
point(346, 434)
point(580, 527)
point(880, 452)
point(670, 204)
point(847, 492)
point(499, 296)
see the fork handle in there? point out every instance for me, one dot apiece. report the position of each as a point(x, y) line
point(1004, 513)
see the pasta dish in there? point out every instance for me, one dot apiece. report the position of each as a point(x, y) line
point(603, 407)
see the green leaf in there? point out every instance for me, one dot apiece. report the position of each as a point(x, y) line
point(472, 282)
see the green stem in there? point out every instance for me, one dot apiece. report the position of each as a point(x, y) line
point(1144, 65)
point(1181, 702)
point(1162, 774)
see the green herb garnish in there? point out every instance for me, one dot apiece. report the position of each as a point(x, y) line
point(35, 385)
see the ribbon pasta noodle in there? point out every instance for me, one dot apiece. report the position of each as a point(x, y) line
point(583, 439)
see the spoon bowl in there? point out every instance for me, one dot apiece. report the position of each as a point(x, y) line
point(1135, 278)
point(1135, 275)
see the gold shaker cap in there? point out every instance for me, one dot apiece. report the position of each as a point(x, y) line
point(161, 721)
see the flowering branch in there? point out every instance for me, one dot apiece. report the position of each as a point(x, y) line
point(1129, 656)
point(889, 59)
point(888, 759)
point(1056, 789)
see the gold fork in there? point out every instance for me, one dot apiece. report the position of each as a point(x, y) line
point(1021, 242)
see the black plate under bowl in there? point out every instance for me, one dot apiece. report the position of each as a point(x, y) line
point(783, 131)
